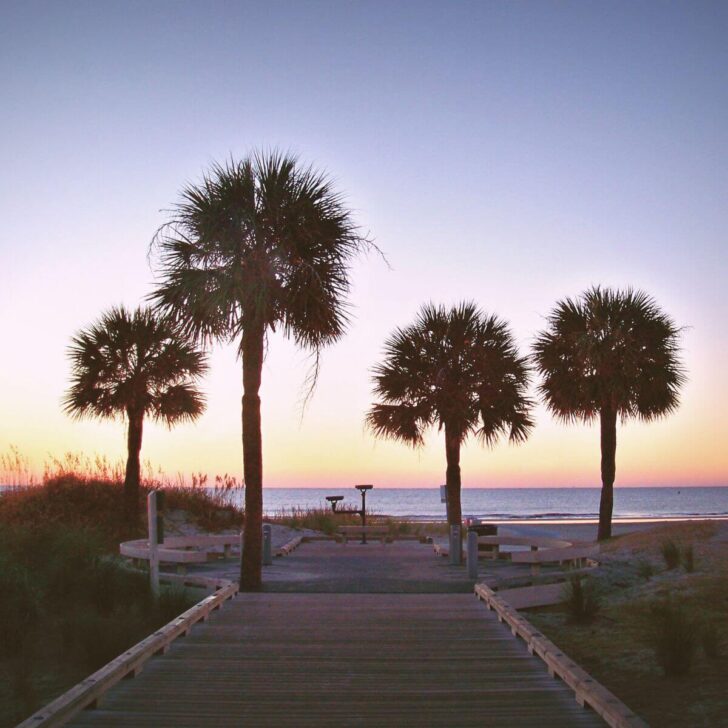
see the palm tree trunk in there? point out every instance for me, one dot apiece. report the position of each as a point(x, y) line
point(452, 479)
point(608, 426)
point(133, 465)
point(251, 558)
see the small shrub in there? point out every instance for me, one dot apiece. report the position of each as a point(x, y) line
point(112, 584)
point(670, 553)
point(173, 600)
point(582, 600)
point(710, 640)
point(688, 559)
point(19, 607)
point(675, 638)
point(645, 569)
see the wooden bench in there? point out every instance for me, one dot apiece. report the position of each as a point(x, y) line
point(377, 532)
point(574, 556)
point(182, 550)
point(489, 546)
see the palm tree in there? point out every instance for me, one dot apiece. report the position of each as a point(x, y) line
point(133, 365)
point(259, 245)
point(609, 354)
point(458, 369)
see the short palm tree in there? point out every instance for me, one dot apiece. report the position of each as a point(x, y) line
point(609, 354)
point(133, 365)
point(259, 245)
point(458, 369)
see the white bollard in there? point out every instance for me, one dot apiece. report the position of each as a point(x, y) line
point(267, 544)
point(153, 546)
point(472, 555)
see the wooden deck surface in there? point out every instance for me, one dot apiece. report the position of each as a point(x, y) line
point(344, 660)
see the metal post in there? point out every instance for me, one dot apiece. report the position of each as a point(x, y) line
point(267, 544)
point(472, 555)
point(364, 515)
point(456, 545)
point(153, 546)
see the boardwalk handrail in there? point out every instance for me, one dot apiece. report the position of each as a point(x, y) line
point(89, 691)
point(587, 690)
point(172, 550)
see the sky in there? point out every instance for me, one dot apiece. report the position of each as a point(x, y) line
point(510, 153)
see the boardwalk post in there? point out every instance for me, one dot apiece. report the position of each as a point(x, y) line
point(153, 546)
point(456, 546)
point(472, 555)
point(267, 545)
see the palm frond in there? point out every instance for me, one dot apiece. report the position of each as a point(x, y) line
point(129, 362)
point(458, 369)
point(609, 348)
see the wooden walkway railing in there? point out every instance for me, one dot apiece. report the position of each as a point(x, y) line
point(587, 691)
point(88, 692)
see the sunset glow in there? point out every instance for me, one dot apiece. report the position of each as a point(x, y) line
point(503, 153)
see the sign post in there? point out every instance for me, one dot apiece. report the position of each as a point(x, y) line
point(153, 545)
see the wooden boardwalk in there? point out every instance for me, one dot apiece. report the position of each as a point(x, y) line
point(277, 659)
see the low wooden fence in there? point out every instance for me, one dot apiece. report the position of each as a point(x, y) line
point(587, 691)
point(89, 692)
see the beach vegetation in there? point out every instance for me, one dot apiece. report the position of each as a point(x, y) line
point(133, 365)
point(258, 246)
point(457, 369)
point(710, 639)
point(317, 519)
point(620, 647)
point(675, 637)
point(581, 599)
point(67, 607)
point(645, 569)
point(687, 558)
point(609, 355)
point(670, 551)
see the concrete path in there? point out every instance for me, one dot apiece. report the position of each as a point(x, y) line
point(325, 566)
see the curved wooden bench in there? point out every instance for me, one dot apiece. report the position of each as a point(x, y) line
point(573, 556)
point(174, 550)
point(492, 544)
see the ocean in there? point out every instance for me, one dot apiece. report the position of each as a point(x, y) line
point(516, 504)
point(512, 504)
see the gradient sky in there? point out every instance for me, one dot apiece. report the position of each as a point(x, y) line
point(510, 152)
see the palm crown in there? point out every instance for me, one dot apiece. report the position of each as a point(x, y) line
point(609, 348)
point(259, 242)
point(458, 369)
point(134, 363)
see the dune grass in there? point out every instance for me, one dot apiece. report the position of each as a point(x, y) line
point(659, 642)
point(324, 520)
point(68, 604)
point(67, 607)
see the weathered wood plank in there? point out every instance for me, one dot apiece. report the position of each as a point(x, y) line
point(344, 660)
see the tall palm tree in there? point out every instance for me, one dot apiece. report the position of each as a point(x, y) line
point(259, 245)
point(133, 365)
point(458, 369)
point(609, 354)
